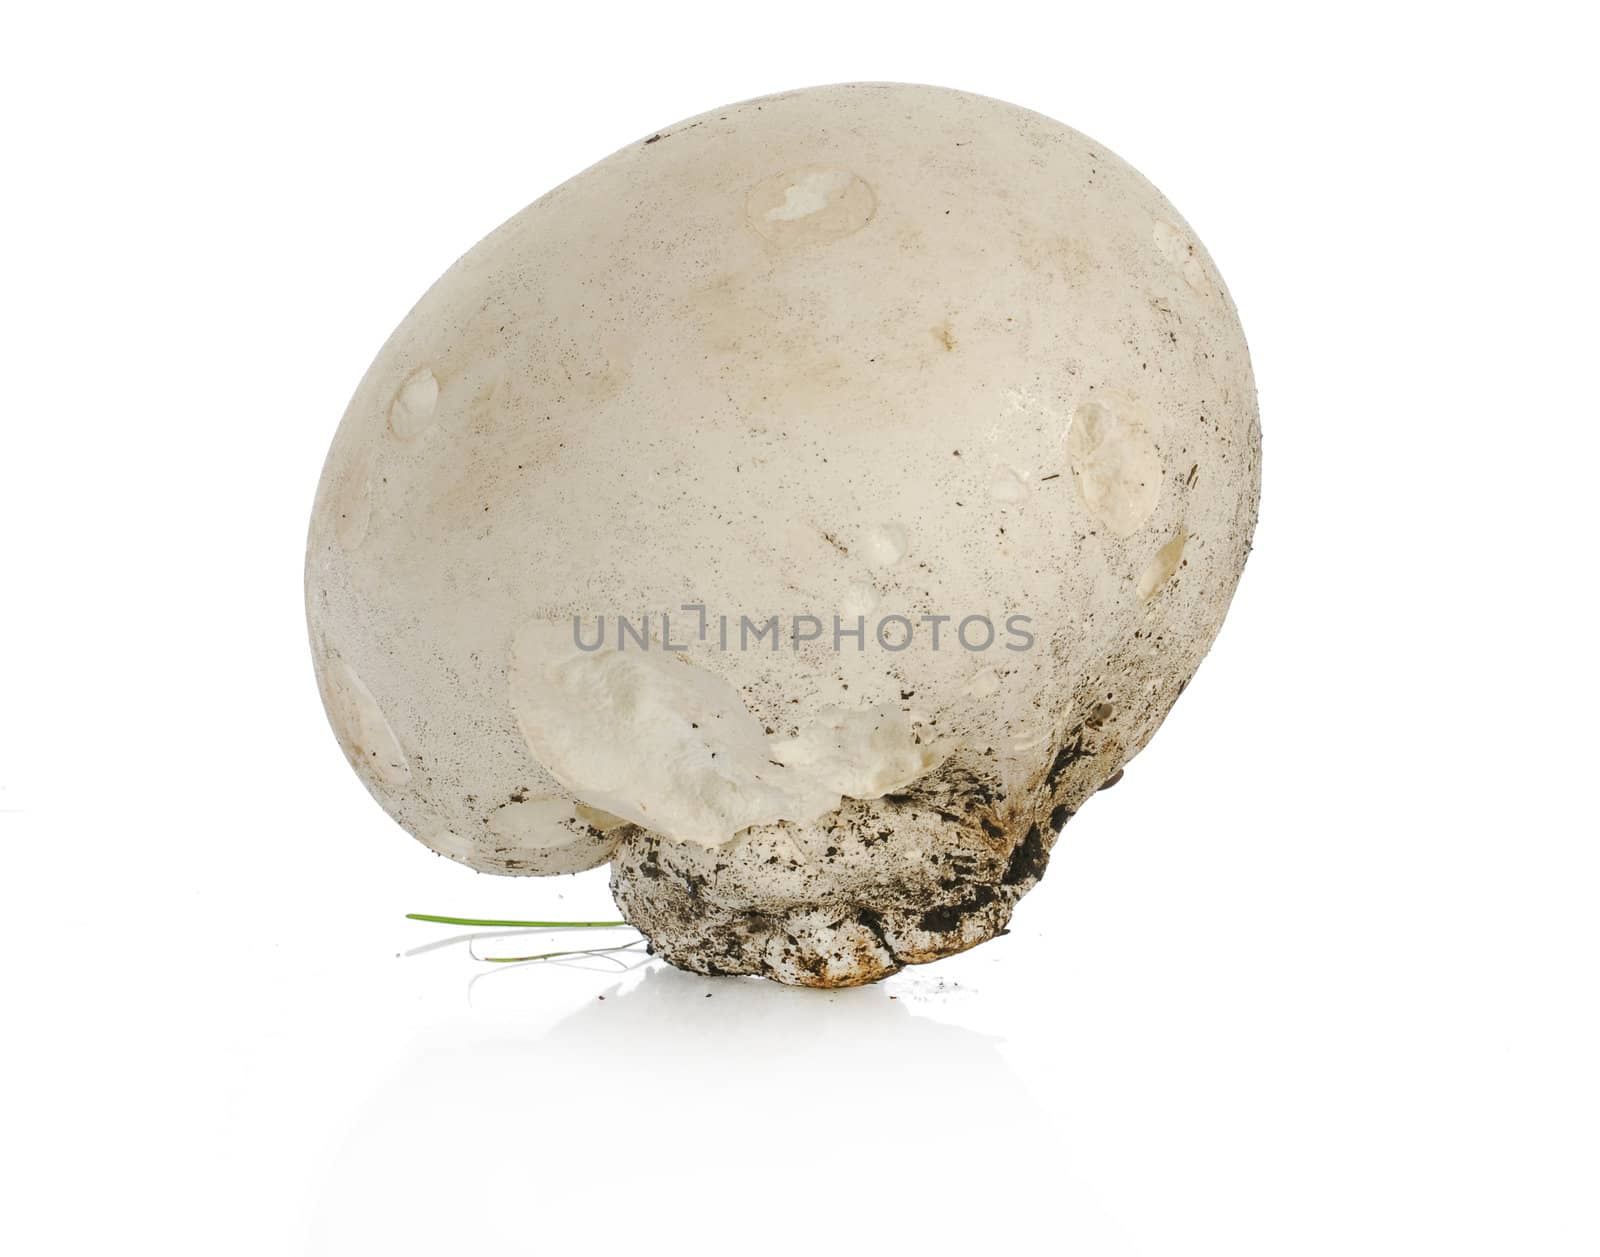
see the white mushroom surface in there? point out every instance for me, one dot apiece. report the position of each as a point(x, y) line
point(806, 509)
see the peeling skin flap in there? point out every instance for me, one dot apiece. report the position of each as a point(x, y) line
point(862, 754)
point(669, 745)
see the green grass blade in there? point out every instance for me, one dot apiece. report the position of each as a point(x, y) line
point(551, 955)
point(517, 925)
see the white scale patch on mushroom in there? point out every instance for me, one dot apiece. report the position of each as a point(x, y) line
point(808, 194)
point(361, 724)
point(412, 412)
point(546, 821)
point(1179, 253)
point(1114, 463)
point(810, 205)
point(859, 600)
point(1005, 485)
point(664, 743)
point(1162, 567)
point(885, 544)
point(355, 502)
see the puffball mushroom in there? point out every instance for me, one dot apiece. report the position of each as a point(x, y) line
point(936, 399)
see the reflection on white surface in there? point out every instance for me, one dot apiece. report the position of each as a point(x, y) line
point(670, 1105)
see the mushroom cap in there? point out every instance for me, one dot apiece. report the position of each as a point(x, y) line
point(871, 355)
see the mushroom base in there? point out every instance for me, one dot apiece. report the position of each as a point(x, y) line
point(873, 887)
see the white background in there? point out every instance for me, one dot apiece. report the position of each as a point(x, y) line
point(1319, 977)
